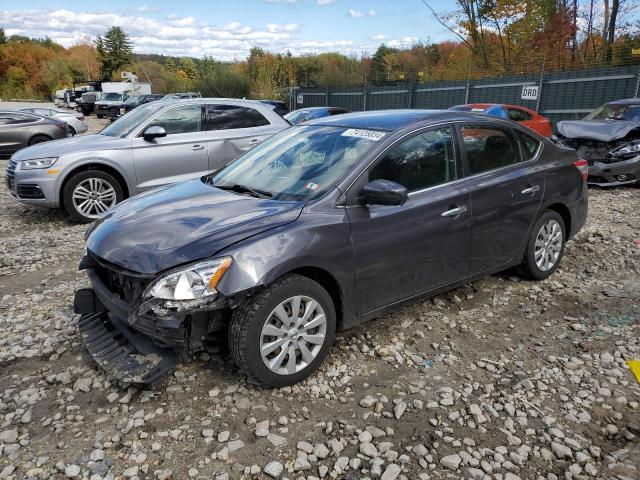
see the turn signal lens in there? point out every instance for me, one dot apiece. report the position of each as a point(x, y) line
point(213, 281)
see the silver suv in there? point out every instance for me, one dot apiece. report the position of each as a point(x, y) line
point(154, 144)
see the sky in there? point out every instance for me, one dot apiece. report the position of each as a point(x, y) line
point(226, 30)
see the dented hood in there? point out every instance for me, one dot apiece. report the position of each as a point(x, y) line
point(182, 223)
point(602, 130)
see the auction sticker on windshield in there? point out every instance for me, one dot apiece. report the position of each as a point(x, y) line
point(362, 133)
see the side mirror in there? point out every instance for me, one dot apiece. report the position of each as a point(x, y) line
point(383, 192)
point(154, 132)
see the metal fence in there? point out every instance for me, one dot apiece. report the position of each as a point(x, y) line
point(561, 95)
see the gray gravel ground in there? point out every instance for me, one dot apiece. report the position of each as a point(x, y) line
point(502, 379)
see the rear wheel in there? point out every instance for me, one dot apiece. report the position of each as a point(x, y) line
point(545, 247)
point(89, 194)
point(39, 139)
point(282, 334)
point(72, 130)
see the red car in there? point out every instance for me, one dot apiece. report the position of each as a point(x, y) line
point(519, 114)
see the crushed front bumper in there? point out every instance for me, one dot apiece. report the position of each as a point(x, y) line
point(614, 174)
point(141, 348)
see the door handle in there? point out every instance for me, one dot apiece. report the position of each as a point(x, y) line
point(530, 190)
point(254, 141)
point(197, 147)
point(455, 212)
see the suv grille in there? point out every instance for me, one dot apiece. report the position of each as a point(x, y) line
point(10, 175)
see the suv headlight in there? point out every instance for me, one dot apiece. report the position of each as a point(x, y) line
point(38, 163)
point(190, 283)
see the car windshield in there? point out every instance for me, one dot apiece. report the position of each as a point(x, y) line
point(297, 116)
point(133, 100)
point(615, 111)
point(129, 121)
point(111, 96)
point(299, 163)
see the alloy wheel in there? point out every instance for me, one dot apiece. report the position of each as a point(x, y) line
point(293, 335)
point(548, 245)
point(93, 197)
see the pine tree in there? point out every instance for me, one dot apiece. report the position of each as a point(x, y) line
point(114, 51)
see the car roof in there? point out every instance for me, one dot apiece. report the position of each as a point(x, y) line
point(391, 120)
point(229, 101)
point(625, 101)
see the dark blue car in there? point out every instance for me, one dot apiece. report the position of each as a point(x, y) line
point(319, 228)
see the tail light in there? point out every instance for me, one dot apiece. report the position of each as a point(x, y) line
point(80, 117)
point(61, 126)
point(583, 168)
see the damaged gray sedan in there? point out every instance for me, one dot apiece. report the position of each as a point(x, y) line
point(609, 139)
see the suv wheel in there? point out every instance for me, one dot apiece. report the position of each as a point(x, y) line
point(545, 247)
point(89, 194)
point(282, 334)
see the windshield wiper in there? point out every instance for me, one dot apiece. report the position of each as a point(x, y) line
point(244, 189)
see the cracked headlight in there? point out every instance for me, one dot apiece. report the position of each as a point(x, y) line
point(194, 282)
point(628, 149)
point(38, 163)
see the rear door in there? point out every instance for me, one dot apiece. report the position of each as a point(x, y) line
point(181, 155)
point(506, 186)
point(402, 251)
point(15, 131)
point(234, 130)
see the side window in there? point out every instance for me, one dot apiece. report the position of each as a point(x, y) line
point(488, 148)
point(423, 161)
point(529, 144)
point(518, 115)
point(183, 119)
point(227, 117)
point(19, 118)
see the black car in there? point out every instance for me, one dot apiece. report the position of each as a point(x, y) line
point(317, 229)
point(312, 113)
point(137, 100)
point(281, 107)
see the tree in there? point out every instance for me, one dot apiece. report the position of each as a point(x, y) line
point(188, 66)
point(378, 63)
point(3, 37)
point(115, 51)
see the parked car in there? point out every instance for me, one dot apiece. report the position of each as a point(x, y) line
point(21, 129)
point(304, 114)
point(525, 116)
point(609, 138)
point(280, 107)
point(137, 100)
point(75, 121)
point(109, 104)
point(181, 96)
point(321, 227)
point(155, 144)
point(86, 104)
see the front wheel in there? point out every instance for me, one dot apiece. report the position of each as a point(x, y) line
point(282, 334)
point(89, 194)
point(545, 247)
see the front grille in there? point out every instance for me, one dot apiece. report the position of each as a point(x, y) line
point(10, 174)
point(27, 190)
point(128, 288)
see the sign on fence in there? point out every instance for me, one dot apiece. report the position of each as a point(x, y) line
point(530, 92)
point(300, 99)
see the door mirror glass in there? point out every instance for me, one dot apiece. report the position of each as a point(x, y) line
point(154, 131)
point(383, 192)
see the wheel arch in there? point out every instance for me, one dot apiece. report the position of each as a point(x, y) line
point(562, 210)
point(93, 166)
point(38, 134)
point(330, 284)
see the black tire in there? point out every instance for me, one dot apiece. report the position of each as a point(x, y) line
point(529, 268)
point(75, 180)
point(72, 131)
point(39, 139)
point(250, 316)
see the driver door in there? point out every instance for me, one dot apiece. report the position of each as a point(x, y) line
point(181, 155)
point(405, 250)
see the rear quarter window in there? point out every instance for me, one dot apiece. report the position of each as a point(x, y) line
point(530, 145)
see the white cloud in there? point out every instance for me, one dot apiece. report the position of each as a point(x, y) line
point(358, 14)
point(171, 35)
point(147, 9)
point(287, 2)
point(379, 36)
point(404, 42)
point(322, 3)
